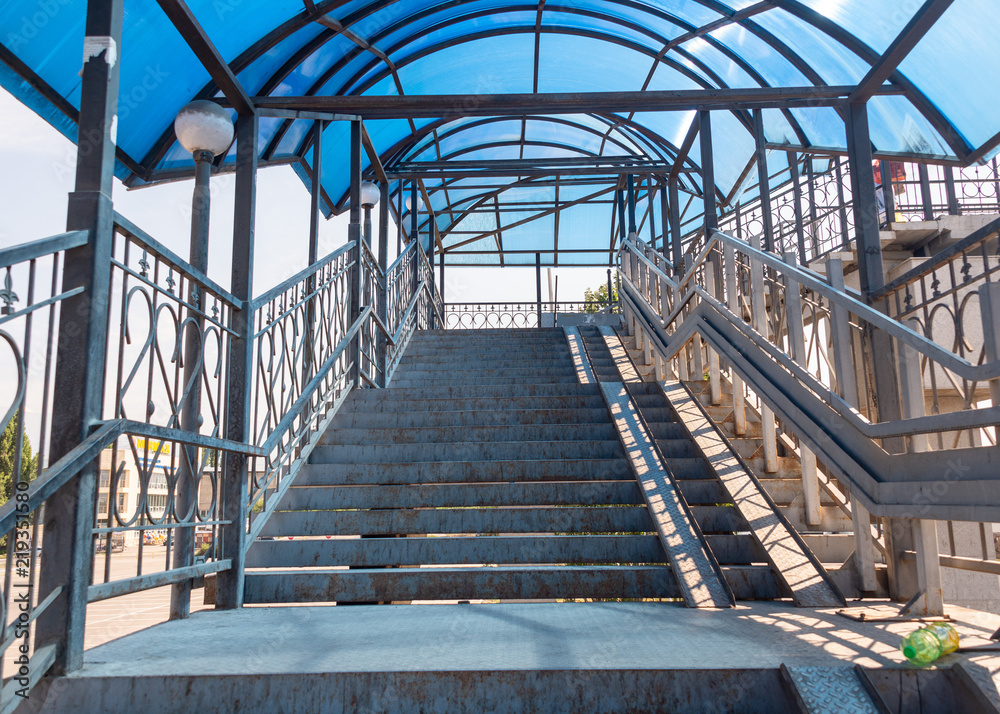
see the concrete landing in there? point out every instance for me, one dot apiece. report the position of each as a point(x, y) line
point(278, 655)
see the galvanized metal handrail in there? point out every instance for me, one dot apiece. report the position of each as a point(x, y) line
point(277, 290)
point(42, 247)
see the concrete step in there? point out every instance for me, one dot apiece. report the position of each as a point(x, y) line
point(542, 493)
point(688, 467)
point(559, 369)
point(719, 519)
point(483, 434)
point(460, 550)
point(502, 583)
point(464, 472)
point(788, 468)
point(741, 549)
point(541, 519)
point(444, 359)
point(480, 379)
point(707, 491)
point(425, 404)
point(465, 451)
point(677, 448)
point(467, 418)
point(832, 519)
point(786, 490)
point(539, 391)
point(505, 333)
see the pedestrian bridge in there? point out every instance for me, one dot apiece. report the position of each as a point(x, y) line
point(729, 484)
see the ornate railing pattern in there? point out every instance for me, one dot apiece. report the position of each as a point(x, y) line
point(502, 315)
point(30, 298)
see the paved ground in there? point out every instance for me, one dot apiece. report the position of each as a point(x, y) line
point(109, 620)
point(509, 636)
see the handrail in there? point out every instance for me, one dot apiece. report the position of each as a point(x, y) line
point(277, 290)
point(313, 384)
point(43, 246)
point(932, 350)
point(663, 276)
point(948, 421)
point(131, 230)
point(399, 258)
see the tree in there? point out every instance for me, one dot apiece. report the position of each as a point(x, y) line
point(595, 300)
point(8, 449)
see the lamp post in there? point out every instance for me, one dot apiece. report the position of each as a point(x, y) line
point(205, 129)
point(370, 194)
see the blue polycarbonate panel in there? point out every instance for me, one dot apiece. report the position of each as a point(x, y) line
point(480, 62)
point(474, 136)
point(232, 26)
point(897, 127)
point(733, 145)
point(293, 137)
point(957, 65)
point(49, 42)
point(722, 70)
point(558, 133)
point(535, 234)
point(554, 21)
point(319, 63)
point(671, 126)
point(585, 226)
point(875, 22)
point(667, 18)
point(777, 128)
point(823, 126)
point(834, 63)
point(775, 69)
point(261, 69)
point(666, 78)
point(583, 64)
point(537, 151)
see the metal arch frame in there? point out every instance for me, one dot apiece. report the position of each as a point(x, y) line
point(952, 138)
point(727, 16)
point(619, 123)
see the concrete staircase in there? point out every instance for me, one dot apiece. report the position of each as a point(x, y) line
point(485, 472)
point(832, 539)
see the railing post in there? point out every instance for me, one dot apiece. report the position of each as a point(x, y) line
point(733, 302)
point(239, 370)
point(382, 291)
point(888, 195)
point(354, 235)
point(847, 385)
point(759, 305)
point(538, 287)
point(923, 531)
point(793, 164)
point(797, 343)
point(763, 180)
point(925, 192)
point(954, 209)
point(714, 373)
point(80, 351)
point(989, 300)
point(314, 216)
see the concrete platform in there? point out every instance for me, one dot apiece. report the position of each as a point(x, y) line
point(428, 656)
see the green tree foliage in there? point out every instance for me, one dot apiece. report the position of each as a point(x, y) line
point(8, 449)
point(595, 300)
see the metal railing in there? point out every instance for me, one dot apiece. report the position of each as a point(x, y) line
point(158, 474)
point(513, 315)
point(819, 361)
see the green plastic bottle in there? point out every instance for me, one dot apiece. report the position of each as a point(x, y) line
point(929, 643)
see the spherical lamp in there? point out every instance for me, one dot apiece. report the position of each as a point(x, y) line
point(204, 126)
point(370, 194)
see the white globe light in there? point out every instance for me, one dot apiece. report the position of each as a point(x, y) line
point(204, 126)
point(420, 203)
point(370, 194)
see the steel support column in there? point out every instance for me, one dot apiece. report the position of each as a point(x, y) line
point(382, 291)
point(80, 351)
point(354, 235)
point(630, 197)
point(800, 234)
point(673, 186)
point(239, 369)
point(763, 181)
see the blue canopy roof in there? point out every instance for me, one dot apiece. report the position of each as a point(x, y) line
point(414, 47)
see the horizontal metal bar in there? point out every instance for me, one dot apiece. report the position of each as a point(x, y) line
point(159, 526)
point(54, 477)
point(38, 666)
point(131, 230)
point(961, 563)
point(117, 588)
point(277, 290)
point(400, 257)
point(436, 106)
point(162, 433)
point(42, 247)
point(40, 305)
point(652, 266)
point(311, 116)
